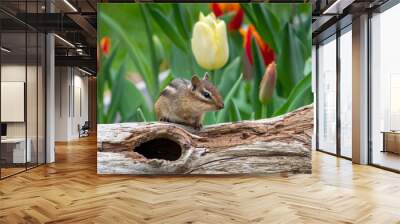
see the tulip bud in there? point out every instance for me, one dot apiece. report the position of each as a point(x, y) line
point(159, 50)
point(210, 42)
point(267, 84)
point(105, 43)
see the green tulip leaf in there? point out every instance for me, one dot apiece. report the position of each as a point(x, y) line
point(131, 99)
point(295, 99)
point(140, 115)
point(160, 53)
point(106, 66)
point(116, 93)
point(209, 118)
point(133, 52)
point(229, 76)
point(253, 116)
point(103, 79)
point(308, 67)
point(303, 28)
point(235, 44)
point(247, 8)
point(153, 56)
point(227, 17)
point(301, 100)
point(181, 64)
point(258, 73)
point(223, 114)
point(267, 25)
point(290, 62)
point(168, 28)
point(234, 113)
point(180, 15)
point(166, 81)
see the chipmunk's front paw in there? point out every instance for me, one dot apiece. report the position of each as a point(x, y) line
point(198, 127)
point(165, 119)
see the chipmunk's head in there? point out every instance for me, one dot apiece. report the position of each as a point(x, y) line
point(207, 94)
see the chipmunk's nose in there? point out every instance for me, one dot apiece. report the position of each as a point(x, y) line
point(221, 106)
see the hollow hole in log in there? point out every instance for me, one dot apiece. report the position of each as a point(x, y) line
point(160, 148)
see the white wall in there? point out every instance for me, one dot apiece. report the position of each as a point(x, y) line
point(71, 102)
point(13, 73)
point(81, 104)
point(16, 73)
point(62, 82)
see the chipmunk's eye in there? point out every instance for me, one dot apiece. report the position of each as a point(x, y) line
point(206, 95)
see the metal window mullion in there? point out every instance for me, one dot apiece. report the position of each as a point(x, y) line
point(45, 95)
point(369, 100)
point(73, 92)
point(338, 78)
point(317, 96)
point(37, 90)
point(26, 87)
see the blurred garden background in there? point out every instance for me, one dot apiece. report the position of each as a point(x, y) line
point(257, 55)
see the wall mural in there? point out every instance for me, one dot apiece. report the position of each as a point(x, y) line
point(199, 88)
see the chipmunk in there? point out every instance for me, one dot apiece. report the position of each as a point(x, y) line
point(185, 102)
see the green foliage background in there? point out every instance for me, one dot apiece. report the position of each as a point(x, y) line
point(148, 39)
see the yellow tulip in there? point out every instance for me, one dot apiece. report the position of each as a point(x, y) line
point(210, 42)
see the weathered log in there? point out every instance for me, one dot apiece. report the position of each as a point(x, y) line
point(279, 144)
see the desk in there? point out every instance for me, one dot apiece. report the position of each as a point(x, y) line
point(13, 150)
point(391, 141)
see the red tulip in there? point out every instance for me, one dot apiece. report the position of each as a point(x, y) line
point(216, 8)
point(267, 53)
point(220, 8)
point(105, 45)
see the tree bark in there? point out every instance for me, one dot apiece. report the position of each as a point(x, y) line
point(279, 144)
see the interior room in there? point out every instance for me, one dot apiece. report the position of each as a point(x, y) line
point(29, 101)
point(22, 99)
point(49, 103)
point(385, 87)
point(72, 105)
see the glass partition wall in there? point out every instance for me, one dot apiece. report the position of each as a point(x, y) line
point(334, 105)
point(385, 90)
point(13, 110)
point(22, 77)
point(327, 95)
point(334, 93)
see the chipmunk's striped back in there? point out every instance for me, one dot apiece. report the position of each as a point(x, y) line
point(174, 86)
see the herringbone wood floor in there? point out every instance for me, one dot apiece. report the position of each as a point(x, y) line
point(70, 191)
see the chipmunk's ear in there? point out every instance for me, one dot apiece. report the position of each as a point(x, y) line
point(195, 81)
point(206, 76)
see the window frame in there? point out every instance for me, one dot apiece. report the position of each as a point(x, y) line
point(339, 32)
